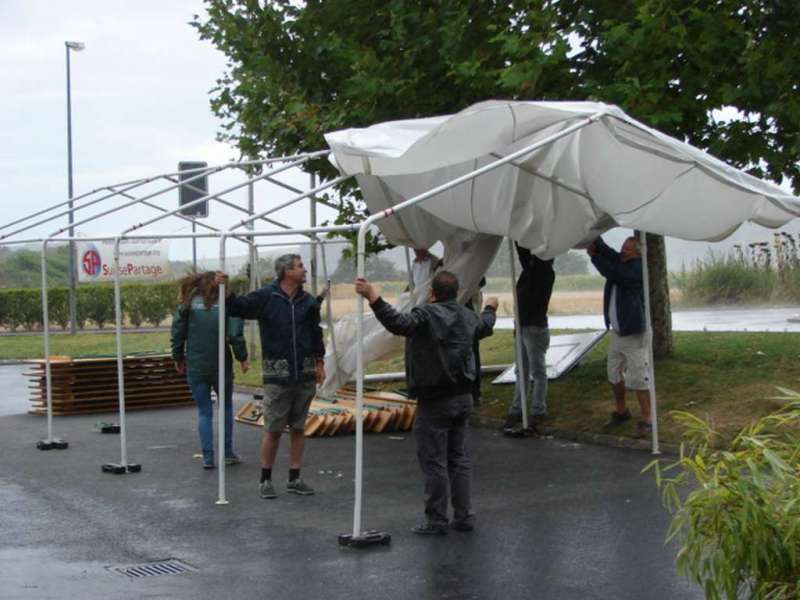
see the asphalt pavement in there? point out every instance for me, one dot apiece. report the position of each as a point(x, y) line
point(556, 519)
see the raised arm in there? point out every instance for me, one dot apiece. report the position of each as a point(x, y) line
point(626, 273)
point(249, 305)
point(405, 324)
point(487, 318)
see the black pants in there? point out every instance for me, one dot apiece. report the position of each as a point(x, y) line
point(440, 429)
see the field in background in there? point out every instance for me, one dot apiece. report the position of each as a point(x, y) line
point(563, 301)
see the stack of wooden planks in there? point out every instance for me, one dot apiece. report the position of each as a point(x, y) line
point(383, 412)
point(89, 385)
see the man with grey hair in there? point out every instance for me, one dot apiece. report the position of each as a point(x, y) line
point(293, 354)
point(440, 370)
point(628, 367)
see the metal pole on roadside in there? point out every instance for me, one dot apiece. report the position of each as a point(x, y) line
point(252, 324)
point(194, 246)
point(77, 46)
point(522, 374)
point(313, 223)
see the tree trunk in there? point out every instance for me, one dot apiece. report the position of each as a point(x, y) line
point(660, 311)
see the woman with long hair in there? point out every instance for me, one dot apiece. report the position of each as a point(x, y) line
point(194, 339)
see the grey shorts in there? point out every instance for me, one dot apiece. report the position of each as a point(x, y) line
point(627, 361)
point(287, 405)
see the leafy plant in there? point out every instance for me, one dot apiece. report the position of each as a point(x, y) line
point(149, 303)
point(95, 303)
point(58, 306)
point(739, 526)
point(23, 307)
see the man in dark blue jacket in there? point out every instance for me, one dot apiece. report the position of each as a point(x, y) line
point(623, 308)
point(440, 370)
point(293, 354)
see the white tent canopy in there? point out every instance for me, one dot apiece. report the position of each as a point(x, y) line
point(548, 175)
point(594, 168)
point(612, 171)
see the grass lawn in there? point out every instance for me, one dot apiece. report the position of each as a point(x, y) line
point(727, 377)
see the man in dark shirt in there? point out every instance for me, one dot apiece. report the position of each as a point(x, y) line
point(440, 369)
point(293, 353)
point(534, 288)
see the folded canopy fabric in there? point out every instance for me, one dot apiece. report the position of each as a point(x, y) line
point(613, 171)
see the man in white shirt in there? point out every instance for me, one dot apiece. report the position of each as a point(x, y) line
point(423, 266)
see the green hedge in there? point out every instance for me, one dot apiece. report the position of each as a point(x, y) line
point(142, 304)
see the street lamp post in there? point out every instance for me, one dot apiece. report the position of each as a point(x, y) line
point(77, 47)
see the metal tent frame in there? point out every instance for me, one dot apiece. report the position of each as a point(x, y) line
point(251, 234)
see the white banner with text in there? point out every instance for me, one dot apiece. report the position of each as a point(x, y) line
point(145, 259)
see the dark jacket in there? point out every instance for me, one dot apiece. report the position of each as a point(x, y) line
point(534, 288)
point(194, 337)
point(627, 276)
point(291, 337)
point(439, 358)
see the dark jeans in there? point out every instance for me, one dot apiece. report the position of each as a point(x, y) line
point(440, 429)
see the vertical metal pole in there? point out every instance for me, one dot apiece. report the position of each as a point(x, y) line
point(359, 466)
point(72, 285)
point(408, 269)
point(329, 311)
point(313, 219)
point(221, 395)
point(648, 339)
point(522, 374)
point(194, 245)
point(46, 326)
point(253, 325)
point(123, 437)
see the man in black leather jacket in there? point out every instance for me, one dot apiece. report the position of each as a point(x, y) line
point(440, 371)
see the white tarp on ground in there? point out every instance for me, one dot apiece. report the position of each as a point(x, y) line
point(614, 171)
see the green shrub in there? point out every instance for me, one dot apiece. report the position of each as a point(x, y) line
point(149, 302)
point(739, 526)
point(5, 309)
point(95, 303)
point(24, 308)
point(58, 306)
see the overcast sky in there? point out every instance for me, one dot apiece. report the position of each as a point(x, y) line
point(140, 104)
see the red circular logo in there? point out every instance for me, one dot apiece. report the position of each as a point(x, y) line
point(91, 262)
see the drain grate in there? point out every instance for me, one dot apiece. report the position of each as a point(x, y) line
point(170, 566)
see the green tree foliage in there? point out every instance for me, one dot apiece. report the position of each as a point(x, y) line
point(297, 70)
point(721, 75)
point(23, 268)
point(674, 65)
